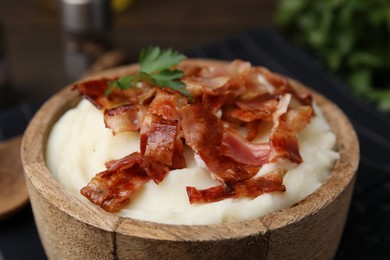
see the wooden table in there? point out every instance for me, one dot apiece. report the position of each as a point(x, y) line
point(34, 35)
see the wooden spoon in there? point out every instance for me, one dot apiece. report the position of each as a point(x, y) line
point(13, 190)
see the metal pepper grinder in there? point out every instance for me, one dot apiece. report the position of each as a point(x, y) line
point(86, 27)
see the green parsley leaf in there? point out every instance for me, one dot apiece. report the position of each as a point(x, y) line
point(155, 69)
point(122, 83)
point(168, 78)
point(350, 37)
point(125, 82)
point(154, 60)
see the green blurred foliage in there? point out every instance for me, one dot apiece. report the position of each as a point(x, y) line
point(352, 37)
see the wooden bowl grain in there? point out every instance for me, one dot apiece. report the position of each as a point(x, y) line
point(72, 229)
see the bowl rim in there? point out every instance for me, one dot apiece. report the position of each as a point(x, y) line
point(34, 147)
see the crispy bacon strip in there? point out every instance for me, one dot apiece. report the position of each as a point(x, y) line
point(146, 125)
point(254, 110)
point(178, 159)
point(305, 98)
point(200, 127)
point(283, 140)
point(124, 118)
point(251, 188)
point(284, 144)
point(274, 79)
point(299, 118)
point(241, 150)
point(257, 102)
point(161, 142)
point(252, 107)
point(253, 130)
point(112, 189)
point(167, 105)
point(156, 171)
point(223, 168)
point(257, 83)
point(213, 103)
point(94, 91)
point(147, 96)
point(283, 86)
point(208, 85)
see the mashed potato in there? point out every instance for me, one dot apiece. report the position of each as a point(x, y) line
point(79, 145)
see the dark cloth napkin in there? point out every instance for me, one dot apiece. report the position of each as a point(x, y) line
point(367, 231)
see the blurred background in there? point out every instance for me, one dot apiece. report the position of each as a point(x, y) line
point(38, 48)
point(34, 34)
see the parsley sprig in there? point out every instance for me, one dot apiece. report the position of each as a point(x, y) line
point(156, 70)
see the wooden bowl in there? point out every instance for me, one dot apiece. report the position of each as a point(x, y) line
point(72, 229)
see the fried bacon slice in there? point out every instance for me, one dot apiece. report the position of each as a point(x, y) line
point(161, 132)
point(112, 189)
point(254, 110)
point(223, 168)
point(298, 118)
point(178, 159)
point(200, 127)
point(241, 150)
point(167, 105)
point(213, 103)
point(124, 118)
point(283, 139)
point(253, 130)
point(283, 142)
point(209, 85)
point(283, 86)
point(160, 141)
point(94, 91)
point(251, 188)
